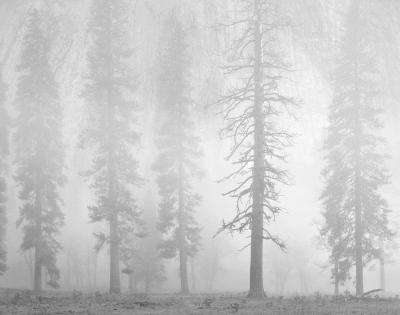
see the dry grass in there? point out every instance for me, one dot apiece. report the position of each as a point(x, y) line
point(23, 302)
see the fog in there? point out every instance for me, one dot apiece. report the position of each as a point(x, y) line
point(309, 40)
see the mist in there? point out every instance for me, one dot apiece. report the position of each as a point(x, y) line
point(137, 113)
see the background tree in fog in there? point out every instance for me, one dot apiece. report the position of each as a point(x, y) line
point(144, 263)
point(177, 161)
point(356, 214)
point(39, 152)
point(334, 222)
point(251, 110)
point(4, 150)
point(111, 132)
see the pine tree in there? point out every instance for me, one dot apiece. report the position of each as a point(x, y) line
point(356, 214)
point(176, 163)
point(39, 152)
point(111, 135)
point(252, 110)
point(4, 150)
point(142, 259)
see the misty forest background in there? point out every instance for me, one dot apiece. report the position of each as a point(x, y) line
point(54, 53)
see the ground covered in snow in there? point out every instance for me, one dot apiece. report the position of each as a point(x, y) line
point(24, 302)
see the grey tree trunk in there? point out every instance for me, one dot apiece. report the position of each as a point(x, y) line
point(359, 252)
point(115, 280)
point(181, 217)
point(382, 269)
point(38, 263)
point(182, 248)
point(193, 273)
point(256, 259)
point(358, 207)
point(357, 189)
point(37, 275)
point(336, 278)
point(132, 284)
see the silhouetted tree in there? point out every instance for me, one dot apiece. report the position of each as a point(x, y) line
point(39, 152)
point(176, 163)
point(356, 215)
point(334, 224)
point(149, 267)
point(111, 133)
point(252, 109)
point(4, 150)
point(143, 264)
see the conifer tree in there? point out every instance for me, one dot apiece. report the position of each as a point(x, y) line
point(142, 260)
point(176, 163)
point(252, 110)
point(4, 150)
point(39, 152)
point(111, 132)
point(356, 214)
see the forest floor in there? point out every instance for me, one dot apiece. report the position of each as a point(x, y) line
point(23, 302)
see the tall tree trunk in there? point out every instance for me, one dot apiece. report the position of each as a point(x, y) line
point(88, 271)
point(38, 263)
point(132, 283)
point(147, 280)
point(357, 189)
point(37, 276)
point(193, 273)
point(181, 216)
point(358, 216)
point(359, 253)
point(182, 248)
point(256, 262)
point(95, 271)
point(336, 277)
point(115, 281)
point(382, 269)
point(68, 273)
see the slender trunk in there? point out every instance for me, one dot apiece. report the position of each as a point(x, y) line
point(147, 280)
point(88, 271)
point(132, 283)
point(336, 278)
point(38, 263)
point(359, 231)
point(147, 286)
point(358, 215)
point(359, 251)
point(256, 262)
point(181, 215)
point(68, 273)
point(115, 281)
point(95, 271)
point(37, 278)
point(193, 273)
point(382, 269)
point(182, 248)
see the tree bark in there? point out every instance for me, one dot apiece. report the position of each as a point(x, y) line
point(357, 189)
point(336, 278)
point(38, 266)
point(256, 259)
point(358, 213)
point(382, 269)
point(115, 280)
point(193, 273)
point(359, 251)
point(37, 277)
point(181, 243)
point(132, 284)
point(181, 216)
